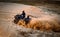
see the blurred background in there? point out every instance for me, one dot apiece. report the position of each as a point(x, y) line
point(9, 8)
point(33, 2)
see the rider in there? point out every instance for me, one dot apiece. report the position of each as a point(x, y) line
point(23, 14)
point(27, 19)
point(18, 17)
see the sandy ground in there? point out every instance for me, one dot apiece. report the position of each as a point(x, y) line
point(9, 29)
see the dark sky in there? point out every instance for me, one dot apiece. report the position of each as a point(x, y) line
point(29, 0)
point(9, 0)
